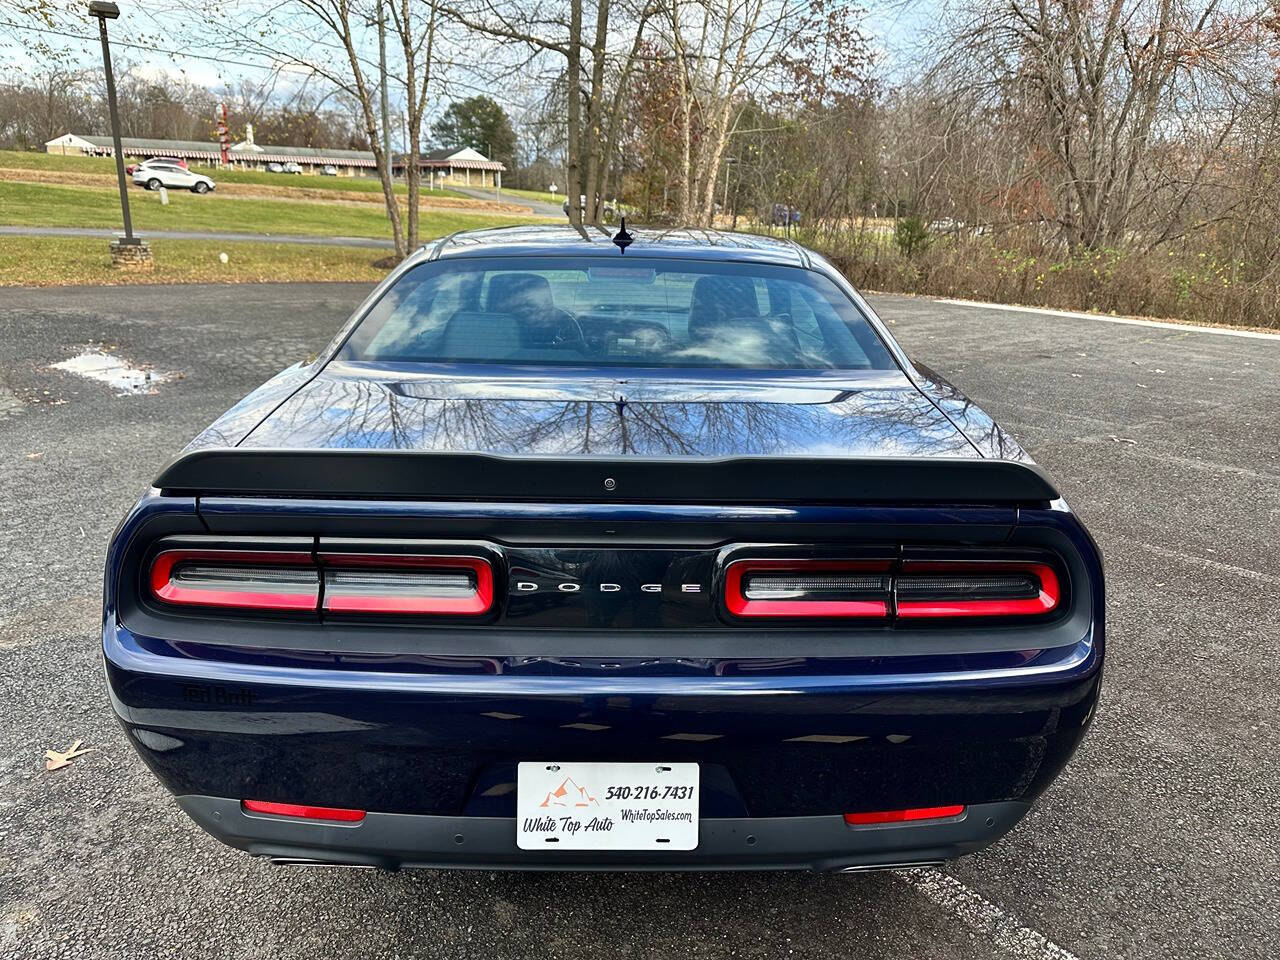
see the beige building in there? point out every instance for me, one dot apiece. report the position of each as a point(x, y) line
point(245, 155)
point(457, 167)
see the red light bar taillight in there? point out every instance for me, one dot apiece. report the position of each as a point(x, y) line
point(453, 586)
point(303, 811)
point(964, 588)
point(337, 583)
point(248, 580)
point(807, 588)
point(881, 589)
point(903, 816)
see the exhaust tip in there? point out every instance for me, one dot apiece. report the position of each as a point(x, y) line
point(305, 862)
point(870, 867)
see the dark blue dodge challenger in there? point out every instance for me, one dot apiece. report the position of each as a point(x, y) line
point(571, 552)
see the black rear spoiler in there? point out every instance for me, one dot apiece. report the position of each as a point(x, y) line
point(397, 474)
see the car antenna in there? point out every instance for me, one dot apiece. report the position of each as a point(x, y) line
point(622, 238)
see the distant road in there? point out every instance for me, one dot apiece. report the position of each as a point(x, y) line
point(371, 242)
point(540, 208)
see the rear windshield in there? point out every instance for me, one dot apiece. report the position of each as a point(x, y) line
point(634, 312)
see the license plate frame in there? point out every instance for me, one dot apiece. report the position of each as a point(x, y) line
point(620, 806)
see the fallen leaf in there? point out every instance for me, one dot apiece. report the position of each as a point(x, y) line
point(54, 760)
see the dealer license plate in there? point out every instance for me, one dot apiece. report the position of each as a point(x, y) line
point(607, 806)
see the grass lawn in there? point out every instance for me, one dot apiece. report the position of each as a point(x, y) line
point(543, 195)
point(84, 260)
point(29, 160)
point(23, 204)
point(314, 182)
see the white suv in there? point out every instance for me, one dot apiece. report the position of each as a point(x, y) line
point(161, 173)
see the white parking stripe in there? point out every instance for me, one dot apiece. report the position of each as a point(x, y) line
point(1129, 321)
point(983, 916)
point(1207, 564)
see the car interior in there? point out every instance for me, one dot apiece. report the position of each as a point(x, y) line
point(617, 316)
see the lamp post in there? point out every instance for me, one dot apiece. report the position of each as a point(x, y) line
point(126, 251)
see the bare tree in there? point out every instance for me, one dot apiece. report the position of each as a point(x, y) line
point(417, 45)
point(1103, 85)
point(556, 29)
point(335, 40)
point(723, 52)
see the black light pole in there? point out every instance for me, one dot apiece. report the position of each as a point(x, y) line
point(104, 10)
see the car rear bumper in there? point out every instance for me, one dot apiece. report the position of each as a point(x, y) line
point(432, 756)
point(396, 841)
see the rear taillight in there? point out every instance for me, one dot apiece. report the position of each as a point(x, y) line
point(881, 589)
point(807, 588)
point(446, 586)
point(964, 588)
point(358, 583)
point(248, 580)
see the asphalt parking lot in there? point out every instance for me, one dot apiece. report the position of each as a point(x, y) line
point(1161, 840)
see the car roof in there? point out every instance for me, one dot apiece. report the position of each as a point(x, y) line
point(675, 243)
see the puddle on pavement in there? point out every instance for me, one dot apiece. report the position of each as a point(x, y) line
point(126, 379)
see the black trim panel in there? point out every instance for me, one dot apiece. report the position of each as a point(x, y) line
point(396, 840)
point(709, 638)
point(470, 476)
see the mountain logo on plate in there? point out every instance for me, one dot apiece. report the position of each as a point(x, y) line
point(569, 794)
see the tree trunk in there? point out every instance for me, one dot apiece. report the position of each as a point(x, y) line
point(595, 111)
point(363, 95)
point(685, 88)
point(415, 102)
point(574, 54)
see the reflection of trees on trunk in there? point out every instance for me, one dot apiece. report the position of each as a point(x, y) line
point(367, 414)
point(230, 428)
point(987, 435)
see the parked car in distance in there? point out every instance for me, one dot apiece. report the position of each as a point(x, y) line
point(150, 160)
point(292, 167)
point(328, 170)
point(275, 168)
point(561, 559)
point(153, 176)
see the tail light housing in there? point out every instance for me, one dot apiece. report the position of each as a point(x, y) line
point(245, 580)
point(807, 588)
point(968, 588)
point(252, 580)
point(888, 590)
point(440, 586)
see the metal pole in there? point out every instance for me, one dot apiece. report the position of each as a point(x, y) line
point(115, 131)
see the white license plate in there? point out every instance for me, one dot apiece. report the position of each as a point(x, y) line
point(607, 806)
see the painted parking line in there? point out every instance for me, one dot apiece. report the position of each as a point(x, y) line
point(1205, 563)
point(1127, 321)
point(984, 917)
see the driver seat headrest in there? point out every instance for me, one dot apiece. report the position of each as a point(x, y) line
point(520, 294)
